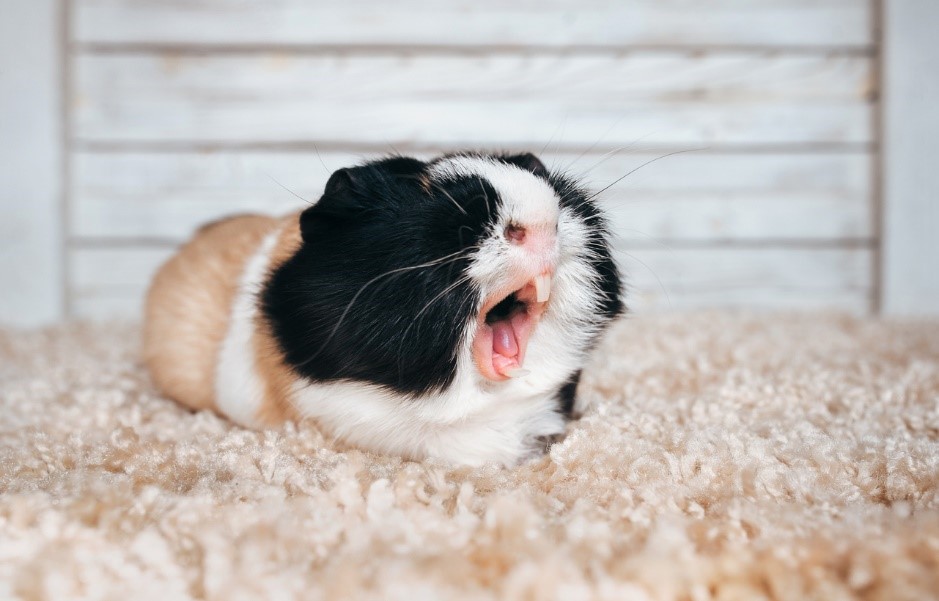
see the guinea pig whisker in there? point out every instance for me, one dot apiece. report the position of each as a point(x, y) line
point(289, 190)
point(438, 187)
point(600, 139)
point(610, 154)
point(417, 317)
point(462, 279)
point(557, 130)
point(320, 157)
point(459, 233)
point(635, 169)
point(447, 194)
point(482, 189)
point(590, 219)
point(436, 262)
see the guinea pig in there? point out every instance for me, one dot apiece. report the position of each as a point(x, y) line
point(440, 309)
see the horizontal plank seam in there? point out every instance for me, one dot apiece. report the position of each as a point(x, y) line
point(110, 48)
point(199, 146)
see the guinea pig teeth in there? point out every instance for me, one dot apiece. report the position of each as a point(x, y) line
point(517, 372)
point(543, 287)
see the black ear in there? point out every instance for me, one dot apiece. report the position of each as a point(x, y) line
point(342, 197)
point(341, 200)
point(353, 192)
point(527, 161)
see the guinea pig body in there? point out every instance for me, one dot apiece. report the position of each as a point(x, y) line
point(426, 309)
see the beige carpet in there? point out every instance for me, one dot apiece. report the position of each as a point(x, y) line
point(720, 457)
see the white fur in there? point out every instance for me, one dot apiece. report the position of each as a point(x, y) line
point(239, 392)
point(476, 420)
point(526, 198)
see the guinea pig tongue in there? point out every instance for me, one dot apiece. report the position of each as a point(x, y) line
point(503, 339)
point(505, 349)
point(499, 347)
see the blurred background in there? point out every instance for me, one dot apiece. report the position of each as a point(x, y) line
point(806, 133)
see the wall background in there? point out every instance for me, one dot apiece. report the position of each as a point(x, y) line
point(172, 113)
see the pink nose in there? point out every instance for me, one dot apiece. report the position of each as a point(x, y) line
point(537, 239)
point(515, 234)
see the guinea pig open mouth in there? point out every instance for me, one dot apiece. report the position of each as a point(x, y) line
point(505, 325)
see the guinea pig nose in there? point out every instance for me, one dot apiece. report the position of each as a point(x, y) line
point(515, 234)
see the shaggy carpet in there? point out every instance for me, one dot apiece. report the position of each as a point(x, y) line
point(719, 457)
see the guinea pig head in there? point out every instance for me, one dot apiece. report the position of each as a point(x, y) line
point(411, 273)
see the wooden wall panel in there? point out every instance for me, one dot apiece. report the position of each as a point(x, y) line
point(748, 278)
point(663, 99)
point(521, 23)
point(182, 112)
point(31, 179)
point(911, 143)
point(702, 197)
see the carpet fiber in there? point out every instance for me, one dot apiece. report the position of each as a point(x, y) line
point(719, 457)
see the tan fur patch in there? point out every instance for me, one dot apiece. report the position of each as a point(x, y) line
point(189, 305)
point(425, 183)
point(271, 367)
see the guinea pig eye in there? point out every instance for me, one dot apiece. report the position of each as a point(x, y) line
point(515, 233)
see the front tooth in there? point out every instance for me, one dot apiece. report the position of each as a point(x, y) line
point(516, 372)
point(543, 287)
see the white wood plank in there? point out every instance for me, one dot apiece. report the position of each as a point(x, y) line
point(712, 197)
point(30, 158)
point(169, 195)
point(740, 217)
point(911, 145)
point(119, 270)
point(750, 278)
point(694, 196)
point(559, 23)
point(664, 99)
point(112, 281)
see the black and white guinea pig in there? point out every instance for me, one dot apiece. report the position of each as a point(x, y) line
point(427, 309)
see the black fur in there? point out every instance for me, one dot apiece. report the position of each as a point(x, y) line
point(339, 308)
point(567, 395)
point(599, 255)
point(352, 304)
point(526, 161)
point(598, 244)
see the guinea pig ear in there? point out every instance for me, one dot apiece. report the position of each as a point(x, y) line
point(340, 200)
point(341, 196)
point(406, 171)
point(528, 162)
